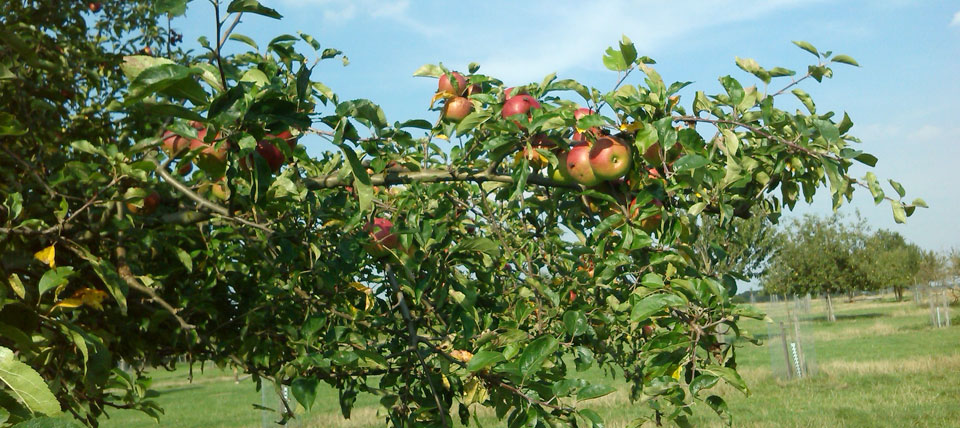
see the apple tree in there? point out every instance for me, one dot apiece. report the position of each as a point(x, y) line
point(161, 204)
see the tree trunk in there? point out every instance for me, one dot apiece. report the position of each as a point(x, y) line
point(830, 316)
point(898, 290)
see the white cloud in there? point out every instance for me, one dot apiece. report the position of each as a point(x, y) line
point(528, 40)
point(531, 39)
point(956, 19)
point(342, 11)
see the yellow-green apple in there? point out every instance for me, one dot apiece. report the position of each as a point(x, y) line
point(577, 164)
point(610, 158)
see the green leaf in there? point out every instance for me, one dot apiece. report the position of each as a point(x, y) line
point(806, 100)
point(807, 47)
point(595, 390)
point(613, 60)
point(703, 381)
point(828, 130)
point(252, 6)
point(899, 214)
point(652, 304)
point(172, 79)
point(305, 391)
point(919, 203)
point(575, 323)
point(898, 188)
point(483, 245)
point(867, 159)
point(845, 59)
point(734, 89)
point(628, 50)
point(690, 162)
point(780, 72)
point(536, 353)
point(27, 385)
point(9, 125)
point(428, 70)
point(133, 65)
point(185, 259)
point(54, 278)
point(484, 359)
point(718, 405)
point(16, 285)
point(173, 8)
point(874, 187)
point(729, 375)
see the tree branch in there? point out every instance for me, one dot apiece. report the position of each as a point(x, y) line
point(392, 178)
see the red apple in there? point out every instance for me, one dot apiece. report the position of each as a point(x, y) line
point(150, 204)
point(474, 89)
point(173, 143)
point(271, 154)
point(94, 6)
point(457, 108)
point(579, 136)
point(577, 163)
point(508, 93)
point(184, 168)
point(520, 104)
point(651, 223)
point(285, 135)
point(380, 231)
point(444, 85)
point(610, 158)
point(211, 159)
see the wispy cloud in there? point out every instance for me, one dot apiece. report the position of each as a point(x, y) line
point(344, 11)
point(528, 40)
point(956, 19)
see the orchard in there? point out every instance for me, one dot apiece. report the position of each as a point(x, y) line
point(160, 204)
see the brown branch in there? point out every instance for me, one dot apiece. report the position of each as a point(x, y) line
point(226, 34)
point(202, 202)
point(392, 178)
point(755, 130)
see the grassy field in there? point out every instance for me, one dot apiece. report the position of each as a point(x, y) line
point(879, 365)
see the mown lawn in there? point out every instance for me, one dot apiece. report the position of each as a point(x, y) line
point(879, 365)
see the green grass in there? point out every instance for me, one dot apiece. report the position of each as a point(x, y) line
point(879, 365)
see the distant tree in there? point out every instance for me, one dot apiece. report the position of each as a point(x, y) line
point(888, 260)
point(817, 255)
point(741, 248)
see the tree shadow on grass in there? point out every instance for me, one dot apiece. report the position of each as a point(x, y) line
point(165, 391)
point(847, 317)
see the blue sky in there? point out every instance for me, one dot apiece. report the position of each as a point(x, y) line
point(903, 100)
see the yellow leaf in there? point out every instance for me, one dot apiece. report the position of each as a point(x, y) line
point(676, 373)
point(69, 303)
point(461, 355)
point(443, 137)
point(630, 127)
point(441, 95)
point(46, 256)
point(84, 296)
point(360, 287)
